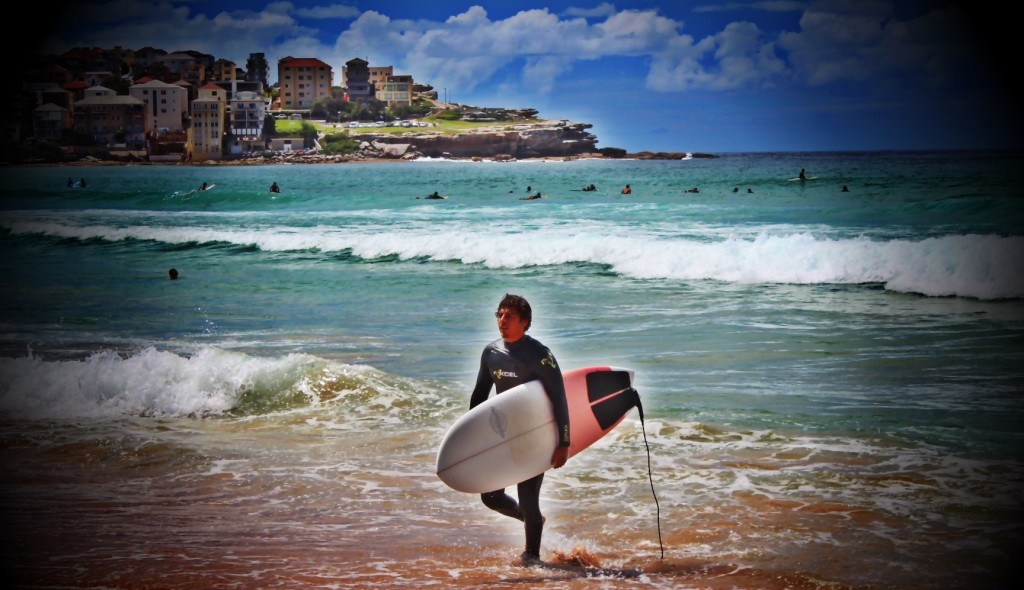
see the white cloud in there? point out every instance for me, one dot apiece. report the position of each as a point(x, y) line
point(468, 48)
point(540, 74)
point(330, 11)
point(744, 59)
point(603, 9)
point(836, 41)
point(633, 32)
point(680, 67)
point(737, 57)
point(842, 41)
point(766, 6)
point(542, 42)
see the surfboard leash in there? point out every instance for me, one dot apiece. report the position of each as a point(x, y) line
point(650, 474)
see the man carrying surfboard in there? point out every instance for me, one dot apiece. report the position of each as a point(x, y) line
point(509, 361)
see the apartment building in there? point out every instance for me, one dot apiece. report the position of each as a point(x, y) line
point(55, 112)
point(166, 104)
point(380, 74)
point(174, 62)
point(302, 81)
point(58, 75)
point(206, 135)
point(49, 121)
point(111, 118)
point(223, 71)
point(247, 111)
point(158, 113)
point(148, 56)
point(395, 90)
point(257, 69)
point(357, 80)
point(194, 75)
point(364, 83)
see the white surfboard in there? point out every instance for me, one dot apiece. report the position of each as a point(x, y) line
point(511, 436)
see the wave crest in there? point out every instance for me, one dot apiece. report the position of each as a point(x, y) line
point(212, 382)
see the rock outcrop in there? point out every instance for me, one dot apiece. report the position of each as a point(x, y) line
point(526, 140)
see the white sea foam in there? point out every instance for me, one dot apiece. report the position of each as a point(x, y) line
point(150, 383)
point(980, 266)
point(212, 381)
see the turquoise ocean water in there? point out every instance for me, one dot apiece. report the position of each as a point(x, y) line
point(832, 381)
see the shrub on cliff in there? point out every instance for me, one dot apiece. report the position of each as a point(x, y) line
point(339, 144)
point(449, 114)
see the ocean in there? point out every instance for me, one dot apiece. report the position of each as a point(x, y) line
point(831, 381)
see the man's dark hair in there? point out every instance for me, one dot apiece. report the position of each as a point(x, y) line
point(519, 305)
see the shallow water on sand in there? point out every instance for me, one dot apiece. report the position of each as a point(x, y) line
point(830, 381)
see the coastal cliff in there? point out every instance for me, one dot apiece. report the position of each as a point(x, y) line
point(542, 139)
point(556, 139)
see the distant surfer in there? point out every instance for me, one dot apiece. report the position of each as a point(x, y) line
point(627, 190)
point(173, 274)
point(202, 188)
point(274, 188)
point(803, 175)
point(512, 360)
point(532, 197)
point(846, 189)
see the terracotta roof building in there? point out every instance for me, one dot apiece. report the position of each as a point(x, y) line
point(303, 81)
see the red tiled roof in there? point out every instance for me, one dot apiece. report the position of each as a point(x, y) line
point(302, 62)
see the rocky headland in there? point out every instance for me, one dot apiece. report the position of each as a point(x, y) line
point(542, 139)
point(559, 139)
point(537, 139)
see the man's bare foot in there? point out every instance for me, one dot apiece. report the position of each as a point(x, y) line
point(529, 558)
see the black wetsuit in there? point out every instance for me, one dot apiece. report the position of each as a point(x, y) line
point(505, 366)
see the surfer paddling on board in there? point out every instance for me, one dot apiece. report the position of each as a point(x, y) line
point(512, 360)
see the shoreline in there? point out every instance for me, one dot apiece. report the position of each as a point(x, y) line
point(358, 159)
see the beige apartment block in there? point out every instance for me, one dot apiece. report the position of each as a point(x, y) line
point(166, 104)
point(303, 81)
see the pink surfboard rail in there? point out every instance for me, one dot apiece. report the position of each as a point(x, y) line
point(511, 436)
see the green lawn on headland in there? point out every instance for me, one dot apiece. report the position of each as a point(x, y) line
point(290, 127)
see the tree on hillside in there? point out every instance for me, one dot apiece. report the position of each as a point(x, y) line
point(269, 126)
point(308, 132)
point(117, 83)
point(420, 108)
point(327, 108)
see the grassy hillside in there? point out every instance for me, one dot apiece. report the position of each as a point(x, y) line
point(291, 127)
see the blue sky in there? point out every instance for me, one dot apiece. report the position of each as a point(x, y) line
point(703, 76)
